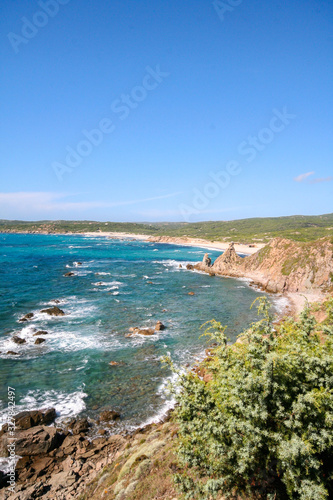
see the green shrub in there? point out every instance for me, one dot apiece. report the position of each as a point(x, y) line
point(263, 425)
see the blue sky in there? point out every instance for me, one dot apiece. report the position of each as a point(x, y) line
point(130, 110)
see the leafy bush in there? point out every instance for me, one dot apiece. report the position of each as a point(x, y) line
point(262, 423)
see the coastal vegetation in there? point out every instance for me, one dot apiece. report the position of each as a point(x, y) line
point(255, 230)
point(259, 422)
point(253, 421)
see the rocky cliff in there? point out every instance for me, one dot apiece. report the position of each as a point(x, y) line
point(280, 266)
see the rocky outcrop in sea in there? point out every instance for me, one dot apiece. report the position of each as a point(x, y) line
point(281, 266)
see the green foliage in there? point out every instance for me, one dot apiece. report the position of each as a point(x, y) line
point(298, 228)
point(263, 425)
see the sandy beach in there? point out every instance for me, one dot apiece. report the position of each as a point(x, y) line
point(193, 242)
point(296, 300)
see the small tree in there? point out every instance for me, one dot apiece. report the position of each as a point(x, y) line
point(263, 424)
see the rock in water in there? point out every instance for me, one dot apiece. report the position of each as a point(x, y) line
point(39, 341)
point(207, 261)
point(79, 425)
point(108, 415)
point(53, 311)
point(70, 273)
point(40, 332)
point(18, 340)
point(159, 326)
point(190, 267)
point(27, 317)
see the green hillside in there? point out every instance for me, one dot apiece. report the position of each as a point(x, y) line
point(298, 228)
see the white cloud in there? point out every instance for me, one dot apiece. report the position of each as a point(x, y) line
point(321, 179)
point(303, 177)
point(46, 202)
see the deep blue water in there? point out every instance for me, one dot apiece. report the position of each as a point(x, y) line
point(109, 294)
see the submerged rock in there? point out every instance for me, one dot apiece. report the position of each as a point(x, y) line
point(70, 273)
point(140, 331)
point(191, 293)
point(108, 415)
point(146, 331)
point(53, 311)
point(12, 353)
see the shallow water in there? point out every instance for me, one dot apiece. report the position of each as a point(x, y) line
point(109, 294)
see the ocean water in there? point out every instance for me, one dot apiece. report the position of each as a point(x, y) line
point(109, 294)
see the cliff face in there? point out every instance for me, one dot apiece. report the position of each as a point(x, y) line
point(281, 266)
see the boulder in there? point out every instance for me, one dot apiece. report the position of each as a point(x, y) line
point(140, 331)
point(190, 267)
point(35, 441)
point(108, 415)
point(40, 340)
point(145, 331)
point(53, 311)
point(18, 340)
point(159, 326)
point(40, 332)
point(27, 317)
point(79, 425)
point(27, 419)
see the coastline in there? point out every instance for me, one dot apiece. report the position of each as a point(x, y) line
point(87, 456)
point(181, 240)
point(296, 300)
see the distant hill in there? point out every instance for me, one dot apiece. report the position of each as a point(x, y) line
point(297, 228)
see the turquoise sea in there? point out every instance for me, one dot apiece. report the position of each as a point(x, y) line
point(109, 293)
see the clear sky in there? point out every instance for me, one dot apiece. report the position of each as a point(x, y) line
point(130, 110)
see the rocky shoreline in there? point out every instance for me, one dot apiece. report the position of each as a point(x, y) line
point(298, 271)
point(55, 463)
